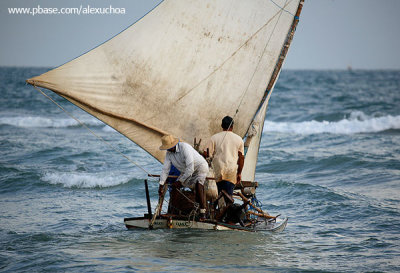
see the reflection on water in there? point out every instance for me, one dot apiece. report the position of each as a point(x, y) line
point(161, 249)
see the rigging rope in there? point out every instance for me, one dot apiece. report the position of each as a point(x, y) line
point(228, 58)
point(191, 216)
point(285, 10)
point(92, 132)
point(191, 89)
point(259, 61)
point(257, 204)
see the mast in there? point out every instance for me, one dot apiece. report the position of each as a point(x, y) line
point(284, 50)
point(254, 133)
point(179, 69)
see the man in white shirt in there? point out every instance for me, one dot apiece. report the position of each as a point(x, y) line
point(190, 163)
point(227, 152)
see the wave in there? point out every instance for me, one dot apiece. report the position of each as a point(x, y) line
point(42, 122)
point(357, 122)
point(80, 180)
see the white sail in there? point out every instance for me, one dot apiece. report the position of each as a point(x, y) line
point(180, 70)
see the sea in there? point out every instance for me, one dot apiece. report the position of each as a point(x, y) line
point(329, 161)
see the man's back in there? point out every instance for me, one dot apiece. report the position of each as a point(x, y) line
point(224, 148)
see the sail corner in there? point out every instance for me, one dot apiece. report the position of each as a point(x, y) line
point(30, 81)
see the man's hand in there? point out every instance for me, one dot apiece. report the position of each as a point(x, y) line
point(238, 178)
point(160, 190)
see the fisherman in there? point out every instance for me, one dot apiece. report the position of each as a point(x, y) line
point(227, 152)
point(192, 166)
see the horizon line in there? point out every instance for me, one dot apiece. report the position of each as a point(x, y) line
point(289, 68)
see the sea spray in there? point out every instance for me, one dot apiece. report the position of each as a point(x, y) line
point(46, 122)
point(85, 180)
point(356, 123)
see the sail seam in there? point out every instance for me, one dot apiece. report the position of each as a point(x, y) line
point(159, 131)
point(259, 61)
point(233, 54)
point(282, 55)
point(278, 65)
point(255, 70)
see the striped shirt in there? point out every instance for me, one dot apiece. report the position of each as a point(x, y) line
point(188, 161)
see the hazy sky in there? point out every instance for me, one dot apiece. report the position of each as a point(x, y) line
point(332, 34)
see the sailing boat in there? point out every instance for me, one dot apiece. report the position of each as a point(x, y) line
point(179, 70)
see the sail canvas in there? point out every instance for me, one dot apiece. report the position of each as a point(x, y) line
point(180, 69)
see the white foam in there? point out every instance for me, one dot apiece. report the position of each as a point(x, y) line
point(85, 180)
point(357, 122)
point(43, 122)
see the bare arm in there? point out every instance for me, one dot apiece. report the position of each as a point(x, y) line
point(240, 167)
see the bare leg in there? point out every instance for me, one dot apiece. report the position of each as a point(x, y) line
point(201, 199)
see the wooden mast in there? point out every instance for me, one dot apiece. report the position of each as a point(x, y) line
point(283, 54)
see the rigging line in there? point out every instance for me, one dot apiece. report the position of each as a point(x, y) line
point(233, 54)
point(282, 8)
point(255, 70)
point(259, 61)
point(282, 56)
point(225, 61)
point(92, 132)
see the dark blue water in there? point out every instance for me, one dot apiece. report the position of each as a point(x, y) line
point(329, 160)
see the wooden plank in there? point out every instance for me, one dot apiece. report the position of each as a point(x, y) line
point(242, 184)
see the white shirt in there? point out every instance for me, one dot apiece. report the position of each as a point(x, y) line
point(187, 160)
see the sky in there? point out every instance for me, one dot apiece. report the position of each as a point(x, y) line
point(332, 34)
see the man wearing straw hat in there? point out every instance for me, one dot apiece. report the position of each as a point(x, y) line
point(190, 163)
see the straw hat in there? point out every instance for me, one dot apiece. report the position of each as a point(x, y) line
point(168, 141)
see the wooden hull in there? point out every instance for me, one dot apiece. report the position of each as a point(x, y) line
point(171, 223)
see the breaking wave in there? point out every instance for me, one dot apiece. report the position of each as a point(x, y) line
point(42, 122)
point(85, 180)
point(357, 122)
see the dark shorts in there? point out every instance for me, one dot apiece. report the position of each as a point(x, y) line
point(225, 185)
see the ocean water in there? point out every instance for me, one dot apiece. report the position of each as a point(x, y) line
point(329, 160)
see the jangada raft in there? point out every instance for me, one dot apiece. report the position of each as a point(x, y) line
point(182, 213)
point(179, 70)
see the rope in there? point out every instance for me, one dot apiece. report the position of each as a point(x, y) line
point(168, 204)
point(192, 215)
point(259, 61)
point(256, 203)
point(283, 8)
point(92, 132)
point(226, 60)
point(194, 203)
point(255, 70)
